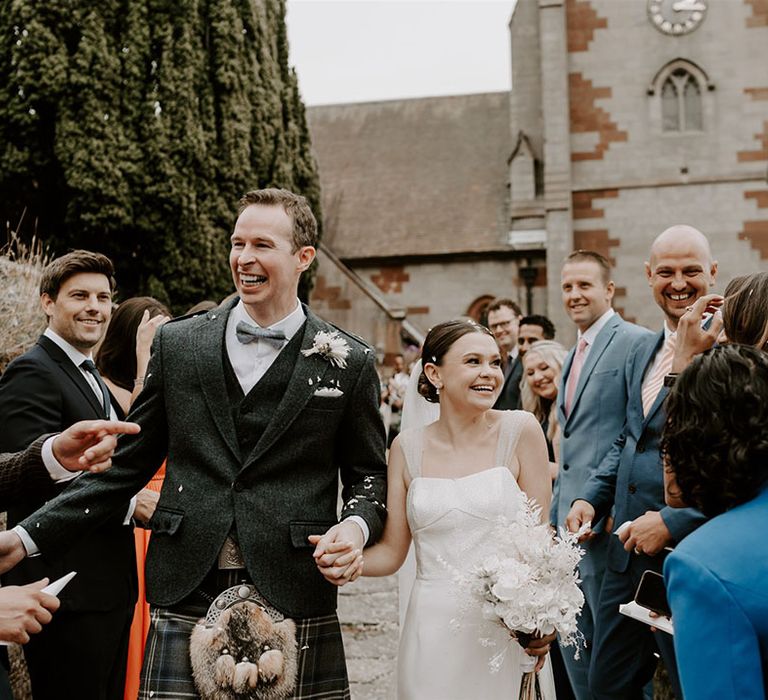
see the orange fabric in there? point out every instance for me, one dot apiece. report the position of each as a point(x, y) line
point(140, 625)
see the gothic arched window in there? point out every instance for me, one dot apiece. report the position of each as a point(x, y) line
point(681, 102)
point(679, 88)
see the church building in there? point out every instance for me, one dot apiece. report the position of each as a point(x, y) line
point(623, 118)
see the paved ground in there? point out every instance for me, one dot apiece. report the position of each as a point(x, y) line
point(368, 615)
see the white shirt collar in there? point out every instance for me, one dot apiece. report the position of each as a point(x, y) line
point(668, 331)
point(288, 325)
point(76, 357)
point(513, 353)
point(592, 332)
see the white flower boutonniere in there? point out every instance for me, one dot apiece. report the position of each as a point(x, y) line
point(330, 346)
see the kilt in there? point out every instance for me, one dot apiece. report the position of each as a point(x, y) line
point(167, 671)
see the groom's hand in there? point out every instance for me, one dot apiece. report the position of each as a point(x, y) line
point(338, 553)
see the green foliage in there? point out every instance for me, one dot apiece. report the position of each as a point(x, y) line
point(132, 127)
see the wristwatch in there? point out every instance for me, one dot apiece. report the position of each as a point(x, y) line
point(669, 379)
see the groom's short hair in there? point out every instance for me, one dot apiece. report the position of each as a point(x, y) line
point(295, 205)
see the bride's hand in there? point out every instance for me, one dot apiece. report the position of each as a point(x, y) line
point(539, 646)
point(338, 562)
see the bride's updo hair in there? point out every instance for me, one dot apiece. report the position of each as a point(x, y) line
point(438, 342)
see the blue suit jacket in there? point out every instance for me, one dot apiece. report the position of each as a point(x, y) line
point(630, 477)
point(598, 411)
point(717, 584)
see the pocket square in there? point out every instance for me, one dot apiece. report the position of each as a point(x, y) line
point(329, 391)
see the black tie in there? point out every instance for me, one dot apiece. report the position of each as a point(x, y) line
point(88, 366)
point(246, 333)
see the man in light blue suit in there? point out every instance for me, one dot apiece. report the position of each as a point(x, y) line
point(630, 479)
point(591, 406)
point(717, 578)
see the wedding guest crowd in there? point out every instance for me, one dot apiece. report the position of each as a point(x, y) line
point(626, 416)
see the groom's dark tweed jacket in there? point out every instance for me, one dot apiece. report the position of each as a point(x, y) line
point(284, 490)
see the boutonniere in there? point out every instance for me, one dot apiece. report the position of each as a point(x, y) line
point(330, 346)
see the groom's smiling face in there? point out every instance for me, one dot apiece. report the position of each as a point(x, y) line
point(265, 264)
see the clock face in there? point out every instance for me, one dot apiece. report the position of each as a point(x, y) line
point(676, 17)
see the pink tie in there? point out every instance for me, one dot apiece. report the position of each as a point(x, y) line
point(655, 379)
point(573, 375)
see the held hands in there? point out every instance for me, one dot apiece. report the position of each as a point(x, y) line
point(692, 339)
point(581, 513)
point(338, 553)
point(88, 445)
point(647, 534)
point(24, 610)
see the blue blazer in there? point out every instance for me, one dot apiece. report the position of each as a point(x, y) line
point(717, 584)
point(631, 478)
point(597, 414)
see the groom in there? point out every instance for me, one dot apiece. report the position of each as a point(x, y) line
point(258, 412)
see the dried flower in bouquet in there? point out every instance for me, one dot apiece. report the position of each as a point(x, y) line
point(527, 581)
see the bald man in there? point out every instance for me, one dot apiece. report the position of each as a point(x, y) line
point(680, 270)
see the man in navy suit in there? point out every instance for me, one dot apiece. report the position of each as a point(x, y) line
point(504, 321)
point(591, 406)
point(630, 479)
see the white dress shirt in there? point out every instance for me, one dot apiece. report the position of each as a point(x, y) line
point(252, 360)
point(590, 335)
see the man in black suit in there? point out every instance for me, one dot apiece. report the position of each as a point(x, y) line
point(504, 321)
point(52, 386)
point(260, 407)
point(85, 446)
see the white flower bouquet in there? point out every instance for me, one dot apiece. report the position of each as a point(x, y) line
point(527, 582)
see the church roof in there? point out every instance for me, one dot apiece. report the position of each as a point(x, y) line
point(414, 177)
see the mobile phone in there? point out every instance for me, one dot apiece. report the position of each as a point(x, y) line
point(651, 593)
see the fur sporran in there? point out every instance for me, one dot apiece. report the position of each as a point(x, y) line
point(244, 655)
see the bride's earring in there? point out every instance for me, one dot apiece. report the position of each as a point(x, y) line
point(437, 388)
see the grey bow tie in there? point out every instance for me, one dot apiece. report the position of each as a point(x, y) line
point(246, 333)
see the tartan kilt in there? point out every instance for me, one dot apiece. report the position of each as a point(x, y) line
point(167, 670)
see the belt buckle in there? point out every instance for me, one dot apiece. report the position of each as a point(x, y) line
point(230, 555)
point(241, 593)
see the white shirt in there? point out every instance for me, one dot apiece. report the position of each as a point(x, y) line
point(252, 360)
point(590, 335)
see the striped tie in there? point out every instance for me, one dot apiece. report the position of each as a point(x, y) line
point(655, 379)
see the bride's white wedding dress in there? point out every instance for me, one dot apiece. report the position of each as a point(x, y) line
point(440, 655)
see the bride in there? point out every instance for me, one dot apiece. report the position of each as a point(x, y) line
point(448, 483)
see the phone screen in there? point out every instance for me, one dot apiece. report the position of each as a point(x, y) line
point(651, 593)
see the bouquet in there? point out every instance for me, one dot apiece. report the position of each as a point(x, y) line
point(527, 582)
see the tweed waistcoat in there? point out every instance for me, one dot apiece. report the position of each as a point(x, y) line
point(251, 414)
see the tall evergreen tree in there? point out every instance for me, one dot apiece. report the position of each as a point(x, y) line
point(132, 127)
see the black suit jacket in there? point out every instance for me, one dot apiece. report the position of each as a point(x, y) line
point(285, 490)
point(22, 472)
point(509, 398)
point(43, 392)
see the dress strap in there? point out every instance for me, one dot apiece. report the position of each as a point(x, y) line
point(509, 434)
point(411, 442)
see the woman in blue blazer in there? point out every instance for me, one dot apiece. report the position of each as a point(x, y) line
point(716, 459)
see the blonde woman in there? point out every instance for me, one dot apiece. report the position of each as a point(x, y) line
point(542, 369)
